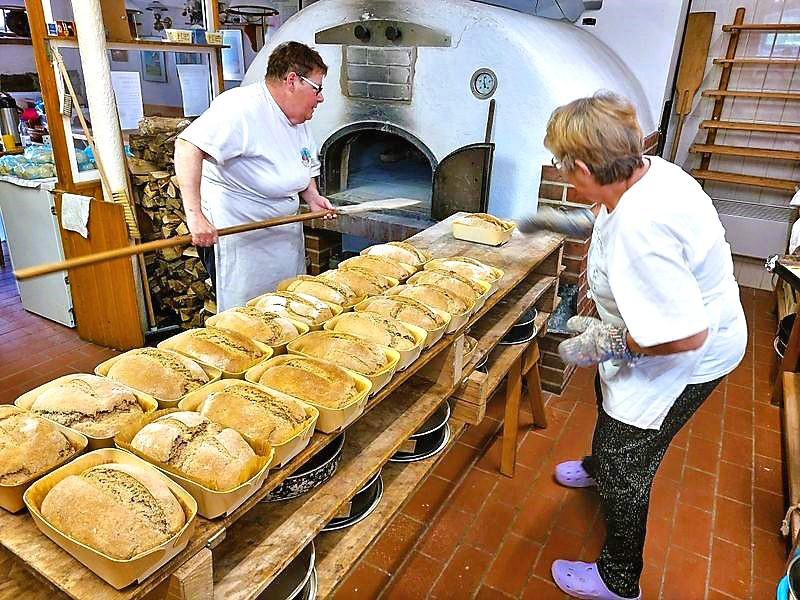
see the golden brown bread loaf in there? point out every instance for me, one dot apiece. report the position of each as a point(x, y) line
point(343, 349)
point(381, 265)
point(268, 328)
point(312, 380)
point(163, 374)
point(485, 221)
point(377, 328)
point(407, 310)
point(466, 267)
point(452, 282)
point(362, 281)
point(399, 251)
point(215, 456)
point(436, 297)
point(29, 445)
point(301, 307)
point(226, 350)
point(256, 413)
point(95, 406)
point(335, 292)
point(119, 510)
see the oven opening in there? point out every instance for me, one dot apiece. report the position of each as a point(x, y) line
point(372, 165)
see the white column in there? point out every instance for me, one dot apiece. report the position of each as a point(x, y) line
point(100, 95)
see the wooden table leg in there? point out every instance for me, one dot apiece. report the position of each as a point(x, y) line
point(790, 361)
point(508, 458)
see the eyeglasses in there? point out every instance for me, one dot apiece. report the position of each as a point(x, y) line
point(315, 86)
point(558, 164)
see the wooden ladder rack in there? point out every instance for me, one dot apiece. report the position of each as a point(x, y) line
point(715, 123)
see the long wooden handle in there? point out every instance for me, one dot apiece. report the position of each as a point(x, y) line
point(677, 139)
point(181, 240)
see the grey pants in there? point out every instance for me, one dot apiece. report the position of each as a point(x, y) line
point(624, 462)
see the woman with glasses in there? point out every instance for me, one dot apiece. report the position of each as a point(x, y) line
point(670, 324)
point(251, 157)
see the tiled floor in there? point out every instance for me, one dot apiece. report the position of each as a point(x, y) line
point(469, 532)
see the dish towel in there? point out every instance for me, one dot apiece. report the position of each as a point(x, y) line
point(75, 213)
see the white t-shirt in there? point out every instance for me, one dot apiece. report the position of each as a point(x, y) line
point(259, 163)
point(659, 265)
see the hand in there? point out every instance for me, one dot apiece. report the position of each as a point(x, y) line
point(319, 202)
point(574, 223)
point(596, 343)
point(203, 232)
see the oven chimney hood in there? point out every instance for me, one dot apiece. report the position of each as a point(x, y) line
point(561, 10)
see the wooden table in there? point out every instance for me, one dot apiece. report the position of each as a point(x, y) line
point(242, 552)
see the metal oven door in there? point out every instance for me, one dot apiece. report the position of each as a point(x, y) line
point(461, 181)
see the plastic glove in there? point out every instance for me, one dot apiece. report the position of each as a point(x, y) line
point(596, 343)
point(577, 222)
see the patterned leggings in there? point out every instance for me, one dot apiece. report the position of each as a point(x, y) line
point(624, 461)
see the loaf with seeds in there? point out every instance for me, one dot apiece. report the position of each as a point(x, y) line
point(405, 309)
point(310, 379)
point(399, 251)
point(163, 374)
point(435, 297)
point(268, 328)
point(301, 307)
point(213, 455)
point(452, 282)
point(257, 413)
point(343, 349)
point(377, 328)
point(119, 510)
point(362, 281)
point(327, 290)
point(29, 445)
point(95, 406)
point(221, 348)
point(382, 265)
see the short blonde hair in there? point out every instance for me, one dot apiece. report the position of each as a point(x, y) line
point(602, 131)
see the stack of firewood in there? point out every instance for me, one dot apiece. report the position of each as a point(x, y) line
point(179, 286)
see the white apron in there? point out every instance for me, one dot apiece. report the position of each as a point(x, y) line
point(258, 164)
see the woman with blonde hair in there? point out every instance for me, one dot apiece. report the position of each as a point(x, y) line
point(670, 325)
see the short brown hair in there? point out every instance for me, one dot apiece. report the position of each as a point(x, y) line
point(602, 131)
point(294, 56)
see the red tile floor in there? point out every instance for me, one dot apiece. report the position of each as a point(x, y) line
point(469, 532)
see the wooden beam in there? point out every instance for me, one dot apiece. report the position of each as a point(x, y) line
point(745, 151)
point(194, 580)
point(508, 458)
point(745, 126)
point(765, 182)
point(752, 60)
point(780, 27)
point(751, 94)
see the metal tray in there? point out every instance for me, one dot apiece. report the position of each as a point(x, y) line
point(314, 472)
point(360, 506)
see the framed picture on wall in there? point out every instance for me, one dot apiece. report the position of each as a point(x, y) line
point(233, 55)
point(188, 58)
point(154, 66)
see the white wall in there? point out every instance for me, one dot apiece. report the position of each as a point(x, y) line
point(748, 77)
point(17, 58)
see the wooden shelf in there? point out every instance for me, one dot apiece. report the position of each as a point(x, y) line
point(164, 45)
point(791, 436)
point(779, 27)
point(753, 60)
point(751, 94)
point(338, 551)
point(765, 182)
point(744, 151)
point(742, 126)
point(15, 41)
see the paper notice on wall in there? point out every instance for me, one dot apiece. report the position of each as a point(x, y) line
point(128, 93)
point(75, 213)
point(194, 89)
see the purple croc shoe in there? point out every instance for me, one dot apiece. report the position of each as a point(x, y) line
point(572, 474)
point(582, 580)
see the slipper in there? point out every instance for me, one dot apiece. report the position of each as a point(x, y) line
point(572, 474)
point(582, 580)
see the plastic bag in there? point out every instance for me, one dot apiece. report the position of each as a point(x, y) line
point(29, 170)
point(39, 154)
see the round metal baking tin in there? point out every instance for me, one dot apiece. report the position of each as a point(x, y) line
point(293, 582)
point(519, 337)
point(443, 437)
point(310, 591)
point(313, 473)
point(527, 318)
point(481, 366)
point(426, 439)
point(360, 506)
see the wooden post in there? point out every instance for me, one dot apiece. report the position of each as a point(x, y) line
point(447, 367)
point(508, 458)
point(534, 385)
point(194, 580)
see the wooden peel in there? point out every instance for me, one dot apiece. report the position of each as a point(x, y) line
point(696, 41)
point(185, 240)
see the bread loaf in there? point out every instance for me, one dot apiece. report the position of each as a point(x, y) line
point(399, 251)
point(466, 267)
point(95, 406)
point(301, 307)
point(485, 221)
point(407, 310)
point(226, 350)
point(452, 282)
point(381, 265)
point(119, 510)
point(312, 380)
point(29, 445)
point(362, 281)
point(268, 328)
point(343, 349)
point(256, 413)
point(436, 297)
point(215, 456)
point(335, 292)
point(163, 374)
point(377, 328)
